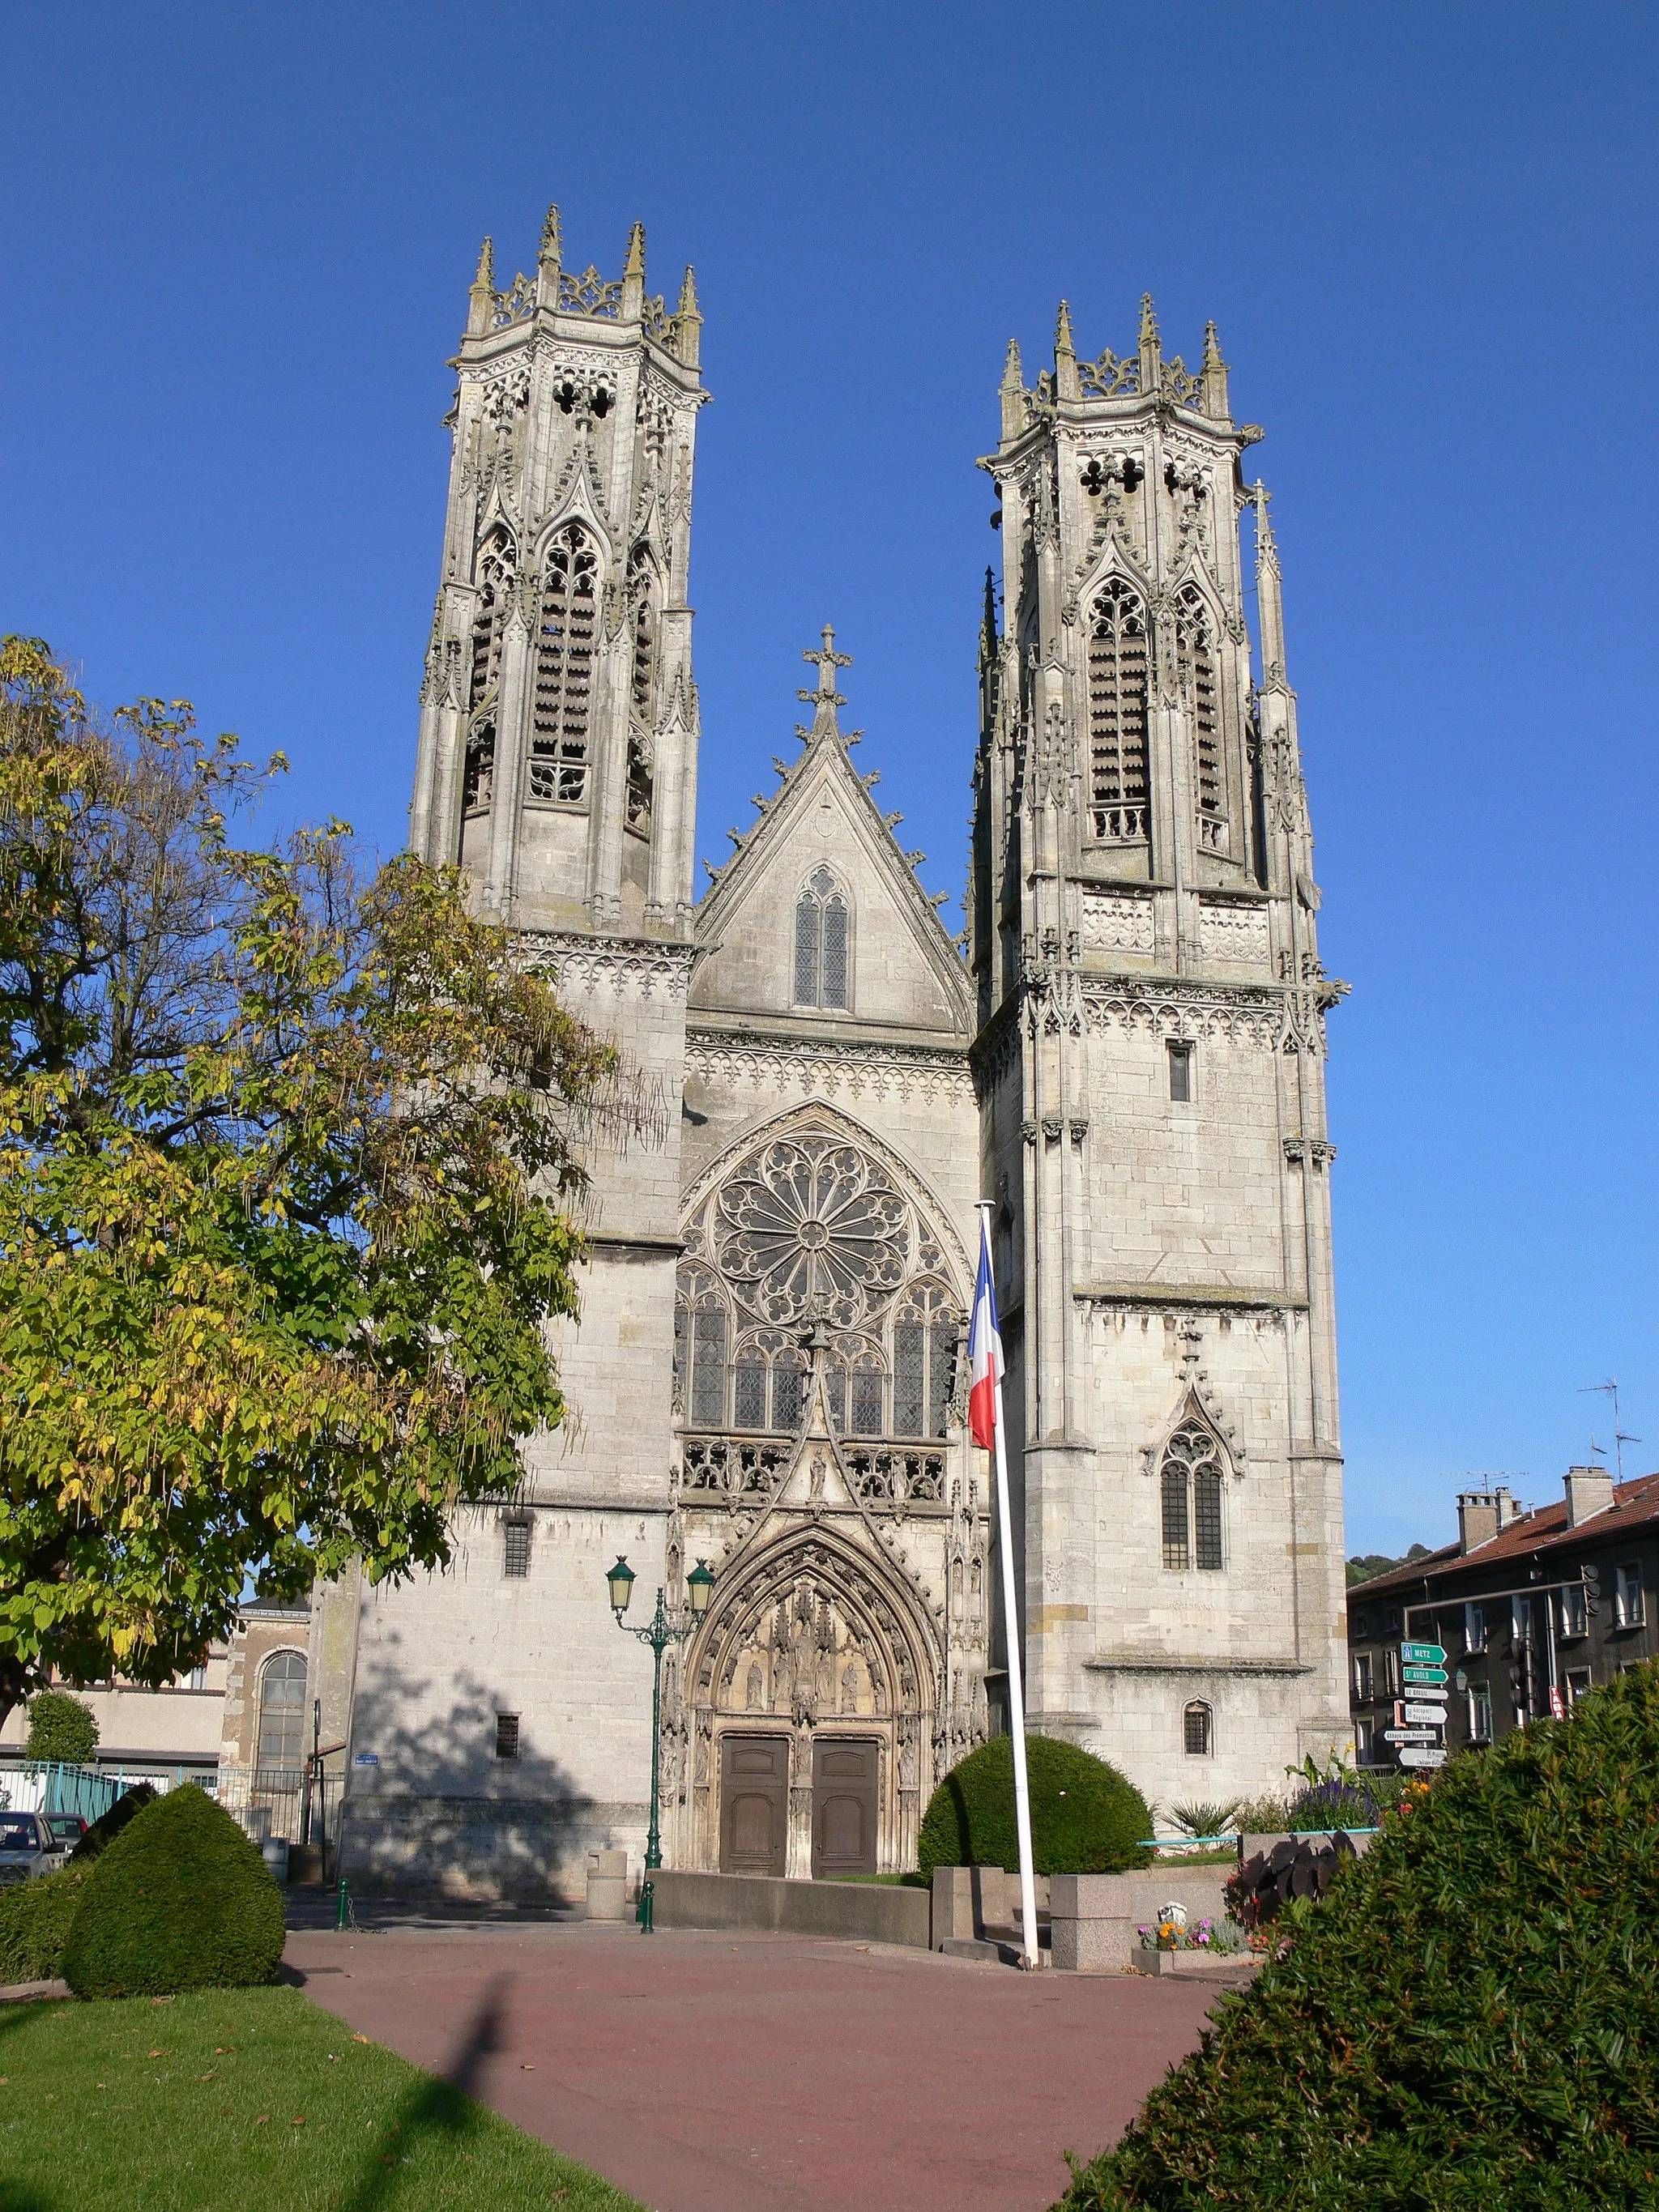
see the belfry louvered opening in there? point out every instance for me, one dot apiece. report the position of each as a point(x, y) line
point(564, 669)
point(492, 570)
point(1117, 713)
point(1195, 672)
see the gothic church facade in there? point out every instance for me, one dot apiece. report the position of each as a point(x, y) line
point(1124, 1053)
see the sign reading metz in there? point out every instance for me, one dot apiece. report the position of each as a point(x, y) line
point(1420, 1725)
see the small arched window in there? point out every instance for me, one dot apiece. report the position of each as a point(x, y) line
point(1190, 1485)
point(283, 1711)
point(821, 943)
point(564, 668)
point(1117, 712)
point(1198, 1729)
point(1195, 672)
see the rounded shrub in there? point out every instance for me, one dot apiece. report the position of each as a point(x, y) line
point(1468, 2020)
point(179, 1900)
point(60, 1727)
point(1085, 1817)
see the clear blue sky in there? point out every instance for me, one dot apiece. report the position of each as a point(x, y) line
point(236, 244)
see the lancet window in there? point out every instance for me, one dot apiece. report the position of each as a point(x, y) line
point(821, 962)
point(1195, 673)
point(1117, 713)
point(1190, 1497)
point(811, 1228)
point(493, 571)
point(564, 668)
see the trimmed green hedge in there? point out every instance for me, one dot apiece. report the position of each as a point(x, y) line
point(1085, 1817)
point(1471, 2019)
point(179, 1900)
point(34, 1925)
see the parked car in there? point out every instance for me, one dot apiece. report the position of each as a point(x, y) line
point(28, 1847)
point(67, 1828)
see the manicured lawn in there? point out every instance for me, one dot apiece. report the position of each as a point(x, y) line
point(249, 2100)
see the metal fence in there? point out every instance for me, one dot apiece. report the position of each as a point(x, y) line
point(51, 1786)
point(297, 1805)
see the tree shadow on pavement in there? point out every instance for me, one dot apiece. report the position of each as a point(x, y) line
point(436, 2106)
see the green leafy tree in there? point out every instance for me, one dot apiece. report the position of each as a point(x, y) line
point(285, 1156)
point(60, 1727)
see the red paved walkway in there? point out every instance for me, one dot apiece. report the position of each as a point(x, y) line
point(722, 2073)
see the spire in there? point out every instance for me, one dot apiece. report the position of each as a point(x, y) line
point(633, 276)
point(1213, 389)
point(1066, 383)
point(823, 696)
point(688, 321)
point(1269, 599)
point(1012, 390)
point(987, 636)
point(480, 299)
point(552, 245)
point(1150, 354)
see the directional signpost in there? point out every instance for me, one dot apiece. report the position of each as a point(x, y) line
point(1420, 1716)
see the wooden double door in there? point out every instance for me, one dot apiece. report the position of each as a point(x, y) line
point(755, 1804)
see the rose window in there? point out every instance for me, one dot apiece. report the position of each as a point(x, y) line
point(809, 1229)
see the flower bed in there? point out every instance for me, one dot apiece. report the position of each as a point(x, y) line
point(1174, 1933)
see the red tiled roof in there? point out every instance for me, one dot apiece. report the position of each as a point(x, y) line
point(1635, 1504)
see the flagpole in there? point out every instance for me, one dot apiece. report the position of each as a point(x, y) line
point(1016, 1690)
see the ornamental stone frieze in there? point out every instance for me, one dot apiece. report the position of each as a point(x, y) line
point(881, 1072)
point(625, 966)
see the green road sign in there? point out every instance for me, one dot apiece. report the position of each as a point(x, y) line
point(1423, 1654)
point(1424, 1674)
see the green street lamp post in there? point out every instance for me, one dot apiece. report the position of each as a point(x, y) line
point(661, 1632)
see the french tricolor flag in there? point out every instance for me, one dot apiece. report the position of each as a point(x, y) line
point(984, 1347)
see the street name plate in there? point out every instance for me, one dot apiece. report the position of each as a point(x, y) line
point(1434, 1714)
point(1406, 1735)
point(1435, 1692)
point(1423, 1654)
point(1410, 1757)
point(1425, 1673)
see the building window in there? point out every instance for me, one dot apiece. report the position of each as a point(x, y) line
point(924, 1363)
point(1629, 1608)
point(1181, 1074)
point(1197, 1729)
point(493, 572)
point(1391, 1672)
point(821, 943)
point(1363, 1686)
point(515, 1550)
point(564, 669)
point(1475, 1628)
point(1191, 1490)
point(507, 1736)
point(700, 1352)
point(1358, 1625)
point(1479, 1714)
point(1117, 714)
point(1364, 1741)
point(1579, 1683)
point(1575, 1620)
point(283, 1711)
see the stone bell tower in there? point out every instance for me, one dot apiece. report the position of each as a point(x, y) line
point(557, 757)
point(1150, 1064)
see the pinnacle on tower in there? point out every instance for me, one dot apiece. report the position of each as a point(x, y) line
point(1012, 389)
point(633, 276)
point(1269, 599)
point(987, 636)
point(481, 297)
point(688, 319)
point(1213, 392)
point(552, 244)
point(1148, 321)
point(1066, 383)
point(823, 696)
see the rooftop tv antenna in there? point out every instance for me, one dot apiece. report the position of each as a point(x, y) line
point(1621, 1436)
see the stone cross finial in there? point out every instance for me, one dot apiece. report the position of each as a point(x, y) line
point(823, 696)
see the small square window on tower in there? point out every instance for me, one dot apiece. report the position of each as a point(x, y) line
point(1180, 1073)
point(507, 1736)
point(516, 1553)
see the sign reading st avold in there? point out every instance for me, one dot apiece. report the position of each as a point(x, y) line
point(1424, 1674)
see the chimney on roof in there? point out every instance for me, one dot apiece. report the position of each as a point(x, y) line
point(1590, 1490)
point(1482, 1513)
